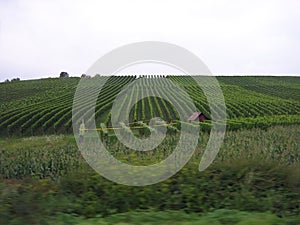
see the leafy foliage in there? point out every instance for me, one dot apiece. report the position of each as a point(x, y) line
point(256, 170)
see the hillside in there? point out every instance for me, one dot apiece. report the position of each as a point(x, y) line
point(45, 106)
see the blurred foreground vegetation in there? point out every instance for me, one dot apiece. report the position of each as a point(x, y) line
point(218, 217)
point(254, 180)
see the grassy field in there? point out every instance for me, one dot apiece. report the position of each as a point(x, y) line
point(255, 178)
point(218, 217)
point(256, 171)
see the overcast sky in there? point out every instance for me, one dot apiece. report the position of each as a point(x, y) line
point(42, 38)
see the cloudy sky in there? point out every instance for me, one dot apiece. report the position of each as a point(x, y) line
point(42, 38)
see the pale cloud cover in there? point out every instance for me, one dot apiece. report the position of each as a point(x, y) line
point(41, 38)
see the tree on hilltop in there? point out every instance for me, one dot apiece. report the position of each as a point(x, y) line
point(63, 74)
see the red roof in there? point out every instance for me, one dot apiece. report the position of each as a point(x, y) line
point(195, 116)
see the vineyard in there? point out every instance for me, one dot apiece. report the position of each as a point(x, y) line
point(44, 106)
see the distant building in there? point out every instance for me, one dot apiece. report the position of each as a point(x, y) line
point(198, 117)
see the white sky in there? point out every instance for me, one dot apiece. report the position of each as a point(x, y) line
point(42, 38)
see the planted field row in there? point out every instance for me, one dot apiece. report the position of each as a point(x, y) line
point(45, 106)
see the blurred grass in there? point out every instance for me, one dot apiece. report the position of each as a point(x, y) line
point(256, 171)
point(218, 217)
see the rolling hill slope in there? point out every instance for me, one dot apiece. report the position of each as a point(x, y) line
point(45, 106)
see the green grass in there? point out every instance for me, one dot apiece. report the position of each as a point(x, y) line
point(256, 171)
point(218, 217)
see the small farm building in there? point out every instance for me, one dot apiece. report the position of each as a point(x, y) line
point(198, 117)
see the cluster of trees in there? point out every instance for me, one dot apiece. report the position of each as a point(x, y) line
point(12, 80)
point(63, 74)
point(85, 76)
